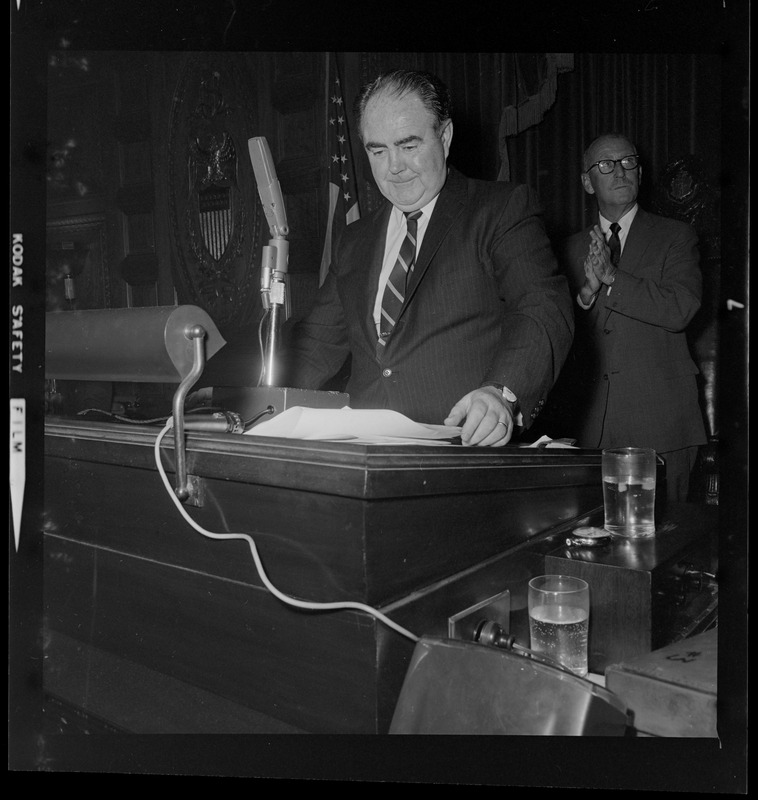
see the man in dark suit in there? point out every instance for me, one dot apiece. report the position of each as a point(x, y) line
point(483, 321)
point(638, 379)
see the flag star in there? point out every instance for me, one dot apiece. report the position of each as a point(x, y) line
point(341, 139)
point(331, 121)
point(344, 178)
point(340, 120)
point(343, 158)
point(346, 196)
point(335, 158)
point(338, 101)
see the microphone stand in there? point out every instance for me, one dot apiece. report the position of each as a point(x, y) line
point(252, 403)
point(274, 260)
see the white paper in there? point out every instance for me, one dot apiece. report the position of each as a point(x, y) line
point(546, 441)
point(365, 425)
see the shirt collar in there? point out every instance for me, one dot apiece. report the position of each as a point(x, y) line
point(624, 223)
point(426, 211)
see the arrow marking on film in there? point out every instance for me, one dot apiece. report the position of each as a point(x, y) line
point(17, 462)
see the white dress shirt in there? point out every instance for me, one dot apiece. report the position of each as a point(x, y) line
point(396, 231)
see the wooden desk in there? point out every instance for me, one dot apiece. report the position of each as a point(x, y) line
point(647, 593)
point(419, 532)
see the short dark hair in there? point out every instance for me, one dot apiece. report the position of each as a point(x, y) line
point(432, 92)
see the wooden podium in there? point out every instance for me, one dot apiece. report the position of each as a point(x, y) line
point(153, 627)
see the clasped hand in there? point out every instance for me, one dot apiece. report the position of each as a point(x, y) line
point(488, 418)
point(598, 269)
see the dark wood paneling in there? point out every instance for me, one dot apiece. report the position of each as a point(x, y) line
point(416, 532)
point(89, 690)
point(638, 592)
point(311, 545)
point(315, 670)
point(342, 468)
point(332, 520)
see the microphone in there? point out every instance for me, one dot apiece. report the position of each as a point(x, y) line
point(275, 255)
point(269, 189)
point(268, 397)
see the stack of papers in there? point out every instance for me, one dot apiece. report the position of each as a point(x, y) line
point(367, 426)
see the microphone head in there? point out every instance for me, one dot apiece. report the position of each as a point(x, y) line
point(269, 189)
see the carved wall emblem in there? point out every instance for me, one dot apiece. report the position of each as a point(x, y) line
point(215, 216)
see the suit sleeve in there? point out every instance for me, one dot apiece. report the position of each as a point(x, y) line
point(667, 291)
point(319, 344)
point(538, 318)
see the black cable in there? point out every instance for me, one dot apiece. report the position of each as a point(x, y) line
point(268, 410)
point(209, 410)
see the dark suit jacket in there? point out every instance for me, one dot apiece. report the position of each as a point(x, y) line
point(639, 387)
point(485, 302)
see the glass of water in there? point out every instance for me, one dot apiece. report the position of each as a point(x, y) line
point(629, 491)
point(559, 614)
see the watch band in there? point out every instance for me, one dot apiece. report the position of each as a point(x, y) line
point(507, 393)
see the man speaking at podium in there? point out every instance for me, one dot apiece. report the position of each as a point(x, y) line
point(454, 315)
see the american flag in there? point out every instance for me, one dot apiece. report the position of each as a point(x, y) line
point(343, 192)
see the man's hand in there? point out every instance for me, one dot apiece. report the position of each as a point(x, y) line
point(593, 267)
point(488, 415)
point(600, 257)
point(591, 284)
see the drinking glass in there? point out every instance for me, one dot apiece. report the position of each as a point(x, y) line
point(629, 491)
point(559, 613)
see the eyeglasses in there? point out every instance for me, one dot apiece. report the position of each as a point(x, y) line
point(606, 166)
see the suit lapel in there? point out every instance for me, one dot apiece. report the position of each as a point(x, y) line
point(637, 242)
point(371, 253)
point(449, 205)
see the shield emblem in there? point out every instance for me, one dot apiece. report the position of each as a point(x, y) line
point(216, 226)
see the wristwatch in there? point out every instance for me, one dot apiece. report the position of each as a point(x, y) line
point(507, 393)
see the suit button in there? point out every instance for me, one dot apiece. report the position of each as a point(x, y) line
point(606, 330)
point(386, 372)
point(605, 377)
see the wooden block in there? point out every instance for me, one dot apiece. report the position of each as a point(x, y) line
point(671, 691)
point(638, 602)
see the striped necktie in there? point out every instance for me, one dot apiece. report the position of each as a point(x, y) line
point(615, 243)
point(394, 293)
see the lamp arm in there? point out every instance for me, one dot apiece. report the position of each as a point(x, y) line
point(197, 334)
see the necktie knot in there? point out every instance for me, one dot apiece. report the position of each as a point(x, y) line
point(615, 243)
point(411, 219)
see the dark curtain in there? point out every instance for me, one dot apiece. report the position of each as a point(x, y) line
point(493, 93)
point(668, 104)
